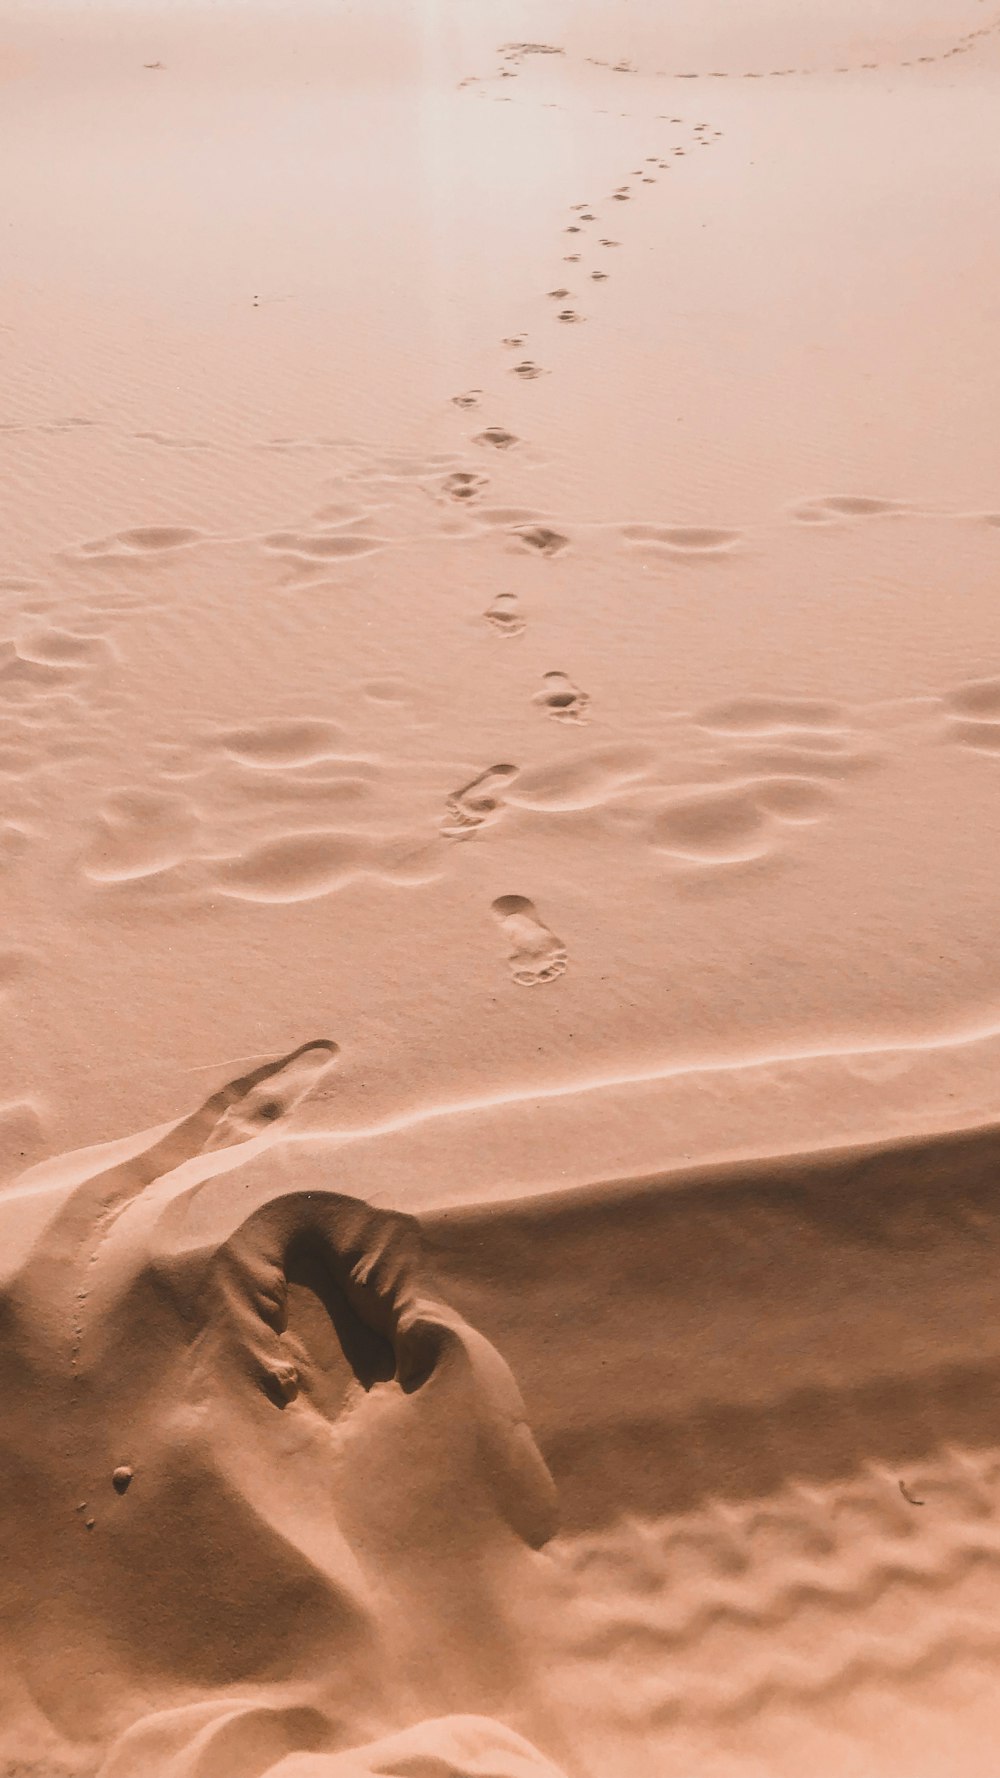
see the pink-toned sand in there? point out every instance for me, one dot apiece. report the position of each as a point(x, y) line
point(500, 707)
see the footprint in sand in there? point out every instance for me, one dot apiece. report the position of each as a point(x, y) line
point(562, 699)
point(497, 437)
point(478, 802)
point(514, 339)
point(505, 615)
point(250, 1106)
point(606, 243)
point(568, 315)
point(527, 370)
point(469, 399)
point(541, 539)
point(599, 275)
point(463, 485)
point(558, 295)
point(536, 955)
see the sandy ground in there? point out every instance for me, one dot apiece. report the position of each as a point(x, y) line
point(500, 705)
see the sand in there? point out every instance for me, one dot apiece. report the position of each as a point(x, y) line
point(500, 708)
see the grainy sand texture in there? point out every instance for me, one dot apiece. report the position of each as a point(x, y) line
point(500, 857)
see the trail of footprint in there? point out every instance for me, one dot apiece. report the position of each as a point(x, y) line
point(541, 539)
point(562, 699)
point(478, 802)
point(496, 436)
point(536, 954)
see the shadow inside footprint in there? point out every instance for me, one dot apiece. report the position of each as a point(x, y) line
point(536, 954)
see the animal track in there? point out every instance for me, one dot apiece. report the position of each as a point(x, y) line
point(535, 955)
point(561, 698)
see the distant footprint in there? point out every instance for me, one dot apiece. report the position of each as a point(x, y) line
point(528, 371)
point(496, 436)
point(269, 1095)
point(464, 485)
point(536, 955)
point(569, 315)
point(562, 699)
point(478, 802)
point(541, 539)
point(470, 398)
point(505, 615)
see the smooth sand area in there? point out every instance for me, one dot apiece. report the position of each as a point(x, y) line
point(500, 708)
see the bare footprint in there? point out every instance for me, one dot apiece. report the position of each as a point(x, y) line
point(271, 1095)
point(463, 484)
point(562, 699)
point(536, 955)
point(542, 539)
point(496, 436)
point(527, 370)
point(569, 315)
point(505, 615)
point(469, 399)
point(477, 803)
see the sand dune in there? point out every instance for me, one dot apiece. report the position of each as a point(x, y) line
point(500, 711)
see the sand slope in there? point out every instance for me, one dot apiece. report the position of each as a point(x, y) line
point(500, 707)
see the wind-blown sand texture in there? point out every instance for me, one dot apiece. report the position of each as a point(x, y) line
point(500, 707)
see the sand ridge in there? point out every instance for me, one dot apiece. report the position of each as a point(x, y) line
point(499, 712)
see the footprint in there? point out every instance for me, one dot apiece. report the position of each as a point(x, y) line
point(505, 615)
point(606, 243)
point(568, 315)
point(497, 436)
point(261, 1099)
point(464, 484)
point(469, 399)
point(562, 699)
point(528, 371)
point(558, 295)
point(598, 275)
point(477, 803)
point(541, 539)
point(514, 339)
point(536, 955)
